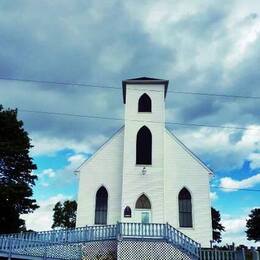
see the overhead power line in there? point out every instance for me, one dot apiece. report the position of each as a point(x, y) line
point(59, 83)
point(242, 189)
point(136, 120)
point(87, 85)
point(214, 95)
point(214, 187)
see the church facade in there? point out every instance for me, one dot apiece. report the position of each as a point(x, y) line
point(143, 173)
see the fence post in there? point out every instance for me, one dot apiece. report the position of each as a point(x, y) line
point(117, 228)
point(118, 231)
point(200, 252)
point(45, 252)
point(243, 255)
point(165, 233)
point(255, 254)
point(215, 253)
point(10, 249)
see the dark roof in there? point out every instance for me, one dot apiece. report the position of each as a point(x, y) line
point(144, 80)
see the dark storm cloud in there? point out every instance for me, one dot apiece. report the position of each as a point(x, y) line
point(207, 23)
point(43, 41)
point(67, 44)
point(103, 43)
point(199, 109)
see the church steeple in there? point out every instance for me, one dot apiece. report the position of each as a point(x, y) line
point(144, 100)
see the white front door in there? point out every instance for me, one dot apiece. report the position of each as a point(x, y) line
point(143, 216)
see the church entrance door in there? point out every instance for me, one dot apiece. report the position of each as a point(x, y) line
point(143, 216)
point(143, 210)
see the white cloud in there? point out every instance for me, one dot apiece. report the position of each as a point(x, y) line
point(213, 195)
point(75, 161)
point(45, 145)
point(49, 173)
point(243, 37)
point(218, 146)
point(45, 184)
point(226, 45)
point(50, 178)
point(229, 183)
point(255, 160)
point(235, 228)
point(233, 225)
point(41, 218)
point(45, 176)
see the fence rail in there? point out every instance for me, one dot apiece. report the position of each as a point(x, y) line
point(177, 238)
point(27, 240)
point(77, 235)
point(214, 254)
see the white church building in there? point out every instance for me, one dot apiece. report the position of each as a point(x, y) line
point(143, 173)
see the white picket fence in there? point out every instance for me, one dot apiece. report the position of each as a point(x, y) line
point(217, 254)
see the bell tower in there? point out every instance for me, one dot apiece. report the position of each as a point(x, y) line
point(143, 155)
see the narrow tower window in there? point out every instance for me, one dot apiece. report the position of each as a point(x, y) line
point(144, 146)
point(144, 103)
point(101, 206)
point(185, 208)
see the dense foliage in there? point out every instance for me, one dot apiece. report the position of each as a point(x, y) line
point(16, 177)
point(216, 225)
point(253, 225)
point(64, 215)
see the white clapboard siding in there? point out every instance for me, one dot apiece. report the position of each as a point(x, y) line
point(173, 167)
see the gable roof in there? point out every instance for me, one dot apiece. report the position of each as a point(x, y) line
point(100, 148)
point(189, 151)
point(167, 130)
point(144, 80)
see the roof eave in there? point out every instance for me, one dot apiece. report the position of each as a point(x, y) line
point(144, 82)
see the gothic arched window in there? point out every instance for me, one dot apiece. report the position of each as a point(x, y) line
point(185, 208)
point(143, 203)
point(144, 146)
point(101, 206)
point(127, 212)
point(144, 103)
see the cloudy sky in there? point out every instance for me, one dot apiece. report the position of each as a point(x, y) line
point(200, 46)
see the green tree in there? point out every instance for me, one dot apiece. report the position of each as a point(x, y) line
point(253, 225)
point(57, 215)
point(16, 176)
point(64, 215)
point(216, 225)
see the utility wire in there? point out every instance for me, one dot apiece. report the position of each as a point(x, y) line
point(135, 120)
point(58, 83)
point(120, 119)
point(214, 94)
point(140, 89)
point(242, 189)
point(214, 187)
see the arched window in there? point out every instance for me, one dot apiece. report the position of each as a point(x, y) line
point(143, 203)
point(144, 103)
point(101, 206)
point(127, 212)
point(144, 146)
point(185, 208)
